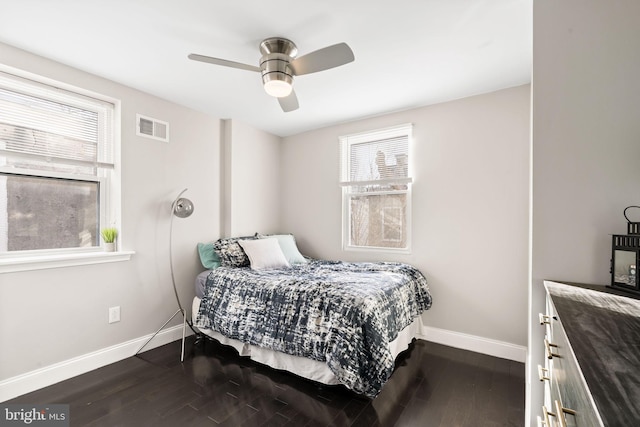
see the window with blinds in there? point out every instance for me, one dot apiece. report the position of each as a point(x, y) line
point(376, 182)
point(56, 167)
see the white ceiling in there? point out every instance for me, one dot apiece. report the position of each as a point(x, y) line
point(409, 53)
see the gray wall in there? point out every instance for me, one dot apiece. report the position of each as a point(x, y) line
point(470, 204)
point(252, 190)
point(586, 146)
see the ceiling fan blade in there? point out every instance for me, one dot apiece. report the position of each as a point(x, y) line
point(223, 62)
point(322, 59)
point(289, 103)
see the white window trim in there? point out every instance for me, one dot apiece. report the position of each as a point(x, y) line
point(347, 194)
point(110, 207)
point(46, 261)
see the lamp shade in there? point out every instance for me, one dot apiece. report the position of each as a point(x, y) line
point(183, 208)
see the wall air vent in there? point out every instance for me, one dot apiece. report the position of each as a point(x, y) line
point(152, 128)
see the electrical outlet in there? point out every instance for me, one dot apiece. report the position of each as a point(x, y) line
point(114, 314)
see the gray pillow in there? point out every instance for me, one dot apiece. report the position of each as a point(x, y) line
point(289, 248)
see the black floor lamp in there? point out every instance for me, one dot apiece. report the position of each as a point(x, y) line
point(182, 208)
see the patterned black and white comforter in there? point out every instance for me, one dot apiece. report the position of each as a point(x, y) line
point(344, 314)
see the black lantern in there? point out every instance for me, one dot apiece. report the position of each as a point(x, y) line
point(625, 257)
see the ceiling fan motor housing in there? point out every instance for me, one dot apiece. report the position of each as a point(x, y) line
point(278, 45)
point(277, 76)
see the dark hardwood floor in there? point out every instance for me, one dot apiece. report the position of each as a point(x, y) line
point(432, 385)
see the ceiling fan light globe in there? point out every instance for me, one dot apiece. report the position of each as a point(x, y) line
point(278, 88)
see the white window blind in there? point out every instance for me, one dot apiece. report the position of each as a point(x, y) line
point(376, 159)
point(41, 125)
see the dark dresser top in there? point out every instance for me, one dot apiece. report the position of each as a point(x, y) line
point(603, 327)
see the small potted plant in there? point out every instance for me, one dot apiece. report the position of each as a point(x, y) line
point(109, 236)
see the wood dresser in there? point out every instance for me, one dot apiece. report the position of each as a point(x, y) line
point(592, 357)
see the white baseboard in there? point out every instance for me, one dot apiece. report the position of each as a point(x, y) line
point(501, 349)
point(43, 377)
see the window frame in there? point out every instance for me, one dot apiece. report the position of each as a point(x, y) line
point(346, 142)
point(108, 182)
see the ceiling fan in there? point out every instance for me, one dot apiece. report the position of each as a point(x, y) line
point(279, 66)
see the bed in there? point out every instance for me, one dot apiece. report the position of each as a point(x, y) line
point(329, 321)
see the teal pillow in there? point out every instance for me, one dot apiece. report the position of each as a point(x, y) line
point(289, 248)
point(208, 256)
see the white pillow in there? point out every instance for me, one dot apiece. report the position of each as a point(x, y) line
point(264, 253)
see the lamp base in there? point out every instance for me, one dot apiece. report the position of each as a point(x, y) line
point(184, 330)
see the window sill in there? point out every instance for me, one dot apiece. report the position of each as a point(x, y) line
point(11, 265)
point(402, 251)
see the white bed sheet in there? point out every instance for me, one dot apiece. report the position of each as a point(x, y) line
point(306, 368)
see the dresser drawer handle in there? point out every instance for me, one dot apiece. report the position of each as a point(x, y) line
point(543, 373)
point(547, 348)
point(544, 319)
point(545, 417)
point(560, 411)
